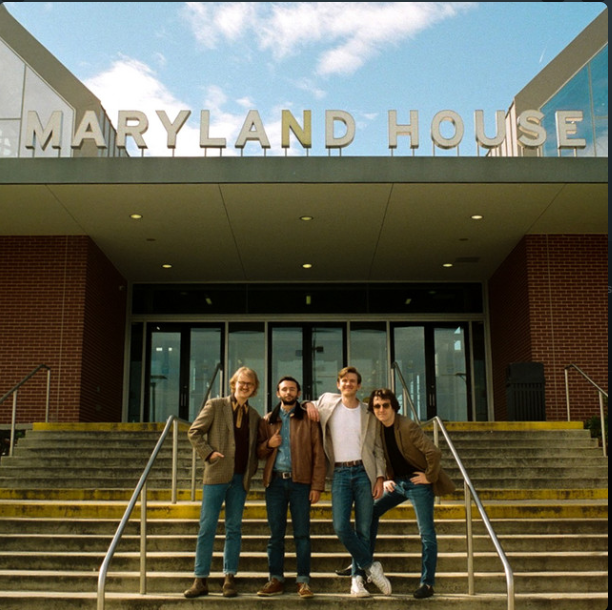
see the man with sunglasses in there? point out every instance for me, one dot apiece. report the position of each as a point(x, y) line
point(413, 473)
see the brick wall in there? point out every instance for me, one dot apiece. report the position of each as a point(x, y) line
point(549, 303)
point(61, 305)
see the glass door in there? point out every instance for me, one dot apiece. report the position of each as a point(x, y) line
point(181, 362)
point(449, 391)
point(312, 353)
point(433, 358)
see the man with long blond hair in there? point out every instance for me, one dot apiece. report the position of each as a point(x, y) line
point(224, 434)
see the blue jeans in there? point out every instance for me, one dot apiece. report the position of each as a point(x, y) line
point(213, 496)
point(422, 499)
point(280, 495)
point(351, 487)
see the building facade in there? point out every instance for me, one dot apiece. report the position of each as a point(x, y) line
point(144, 282)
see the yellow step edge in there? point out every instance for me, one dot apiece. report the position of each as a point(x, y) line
point(103, 427)
point(191, 510)
point(184, 495)
point(460, 426)
point(503, 426)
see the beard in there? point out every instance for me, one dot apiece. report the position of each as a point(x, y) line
point(289, 403)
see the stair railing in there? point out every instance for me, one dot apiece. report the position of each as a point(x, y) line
point(140, 490)
point(194, 456)
point(601, 394)
point(470, 494)
point(14, 391)
point(406, 393)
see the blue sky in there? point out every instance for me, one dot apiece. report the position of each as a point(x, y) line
point(362, 58)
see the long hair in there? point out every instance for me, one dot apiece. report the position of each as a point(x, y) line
point(244, 370)
point(385, 394)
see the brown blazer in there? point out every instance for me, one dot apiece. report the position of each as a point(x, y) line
point(420, 451)
point(213, 430)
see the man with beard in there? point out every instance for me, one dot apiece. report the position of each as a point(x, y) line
point(294, 477)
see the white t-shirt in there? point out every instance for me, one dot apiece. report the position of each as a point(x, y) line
point(345, 430)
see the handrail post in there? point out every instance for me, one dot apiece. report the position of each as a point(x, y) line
point(13, 424)
point(469, 537)
point(48, 395)
point(567, 398)
point(193, 473)
point(603, 424)
point(175, 428)
point(143, 539)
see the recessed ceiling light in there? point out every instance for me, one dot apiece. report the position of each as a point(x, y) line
point(447, 265)
point(136, 216)
point(477, 217)
point(306, 218)
point(166, 266)
point(307, 266)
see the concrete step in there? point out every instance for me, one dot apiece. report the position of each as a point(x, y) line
point(326, 561)
point(567, 528)
point(403, 583)
point(328, 601)
point(184, 482)
point(321, 543)
point(124, 454)
point(491, 460)
point(257, 493)
point(257, 510)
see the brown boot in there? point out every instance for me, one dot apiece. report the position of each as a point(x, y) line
point(199, 587)
point(229, 586)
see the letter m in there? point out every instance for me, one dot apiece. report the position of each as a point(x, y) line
point(52, 133)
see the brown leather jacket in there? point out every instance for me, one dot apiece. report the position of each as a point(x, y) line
point(307, 455)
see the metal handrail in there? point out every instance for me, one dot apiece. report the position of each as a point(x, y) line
point(218, 371)
point(601, 394)
point(470, 494)
point(14, 390)
point(406, 393)
point(141, 488)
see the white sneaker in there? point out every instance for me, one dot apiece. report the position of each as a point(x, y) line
point(358, 588)
point(376, 575)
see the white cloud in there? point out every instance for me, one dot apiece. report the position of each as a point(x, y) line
point(132, 85)
point(342, 35)
point(211, 21)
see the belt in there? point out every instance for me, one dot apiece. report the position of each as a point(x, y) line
point(282, 475)
point(348, 464)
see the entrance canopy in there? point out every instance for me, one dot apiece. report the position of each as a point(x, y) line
point(261, 219)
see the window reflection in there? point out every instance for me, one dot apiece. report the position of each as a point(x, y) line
point(246, 347)
point(586, 91)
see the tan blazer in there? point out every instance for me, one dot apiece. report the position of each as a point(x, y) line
point(213, 430)
point(371, 441)
point(420, 451)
